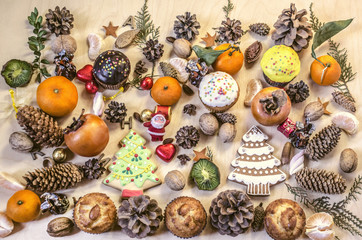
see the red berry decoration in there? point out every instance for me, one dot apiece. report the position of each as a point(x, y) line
point(85, 74)
point(146, 83)
point(91, 87)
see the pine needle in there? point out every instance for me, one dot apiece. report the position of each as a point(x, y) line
point(228, 8)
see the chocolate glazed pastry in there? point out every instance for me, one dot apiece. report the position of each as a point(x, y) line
point(111, 69)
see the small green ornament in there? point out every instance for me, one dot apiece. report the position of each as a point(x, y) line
point(208, 55)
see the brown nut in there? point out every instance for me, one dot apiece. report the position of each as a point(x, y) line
point(60, 227)
point(348, 160)
point(208, 124)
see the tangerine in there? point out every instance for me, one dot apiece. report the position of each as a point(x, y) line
point(325, 75)
point(166, 91)
point(23, 206)
point(57, 96)
point(230, 61)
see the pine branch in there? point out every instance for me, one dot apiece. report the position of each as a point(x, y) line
point(353, 192)
point(36, 44)
point(209, 153)
point(316, 24)
point(146, 27)
point(347, 74)
point(228, 8)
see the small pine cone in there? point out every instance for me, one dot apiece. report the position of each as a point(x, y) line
point(230, 31)
point(59, 21)
point(139, 68)
point(261, 29)
point(60, 176)
point(190, 109)
point(320, 180)
point(231, 212)
point(226, 118)
point(187, 137)
point(186, 26)
point(323, 142)
point(116, 112)
point(94, 167)
point(293, 29)
point(344, 101)
point(168, 70)
point(153, 50)
point(298, 92)
point(139, 216)
point(259, 215)
point(64, 66)
point(40, 127)
point(197, 70)
point(183, 158)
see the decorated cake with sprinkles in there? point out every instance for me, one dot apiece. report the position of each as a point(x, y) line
point(218, 91)
point(111, 69)
point(280, 65)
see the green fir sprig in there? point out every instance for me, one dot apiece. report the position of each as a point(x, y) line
point(228, 8)
point(36, 44)
point(342, 217)
point(146, 26)
point(209, 153)
point(341, 56)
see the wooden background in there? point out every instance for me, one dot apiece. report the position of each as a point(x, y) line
point(91, 15)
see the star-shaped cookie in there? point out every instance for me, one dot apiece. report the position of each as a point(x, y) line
point(111, 30)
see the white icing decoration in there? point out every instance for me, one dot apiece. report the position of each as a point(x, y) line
point(256, 151)
point(218, 89)
point(255, 165)
point(98, 104)
point(255, 135)
point(296, 163)
point(246, 179)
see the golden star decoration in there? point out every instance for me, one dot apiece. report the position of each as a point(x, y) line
point(200, 155)
point(111, 30)
point(209, 40)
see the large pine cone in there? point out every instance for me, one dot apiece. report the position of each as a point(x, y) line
point(323, 142)
point(231, 212)
point(139, 216)
point(292, 29)
point(187, 137)
point(230, 31)
point(60, 176)
point(59, 21)
point(41, 127)
point(186, 26)
point(320, 180)
point(153, 50)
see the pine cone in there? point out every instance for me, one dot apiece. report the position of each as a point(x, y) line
point(64, 66)
point(59, 21)
point(187, 137)
point(116, 112)
point(153, 50)
point(54, 203)
point(323, 142)
point(197, 70)
point(94, 167)
point(231, 212)
point(292, 29)
point(183, 158)
point(230, 31)
point(226, 118)
point(186, 26)
point(259, 215)
point(60, 176)
point(41, 127)
point(298, 92)
point(139, 68)
point(261, 29)
point(344, 101)
point(168, 70)
point(190, 109)
point(139, 216)
point(320, 180)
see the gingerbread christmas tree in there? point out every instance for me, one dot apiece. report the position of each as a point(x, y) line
point(256, 166)
point(132, 168)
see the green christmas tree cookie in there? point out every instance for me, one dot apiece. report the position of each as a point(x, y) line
point(132, 168)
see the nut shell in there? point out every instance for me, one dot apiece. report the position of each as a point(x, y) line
point(65, 42)
point(175, 180)
point(59, 227)
point(182, 48)
point(20, 141)
point(208, 124)
point(348, 160)
point(227, 132)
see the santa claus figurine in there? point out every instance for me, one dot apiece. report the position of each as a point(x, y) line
point(156, 127)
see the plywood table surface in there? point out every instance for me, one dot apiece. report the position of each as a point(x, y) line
point(91, 15)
